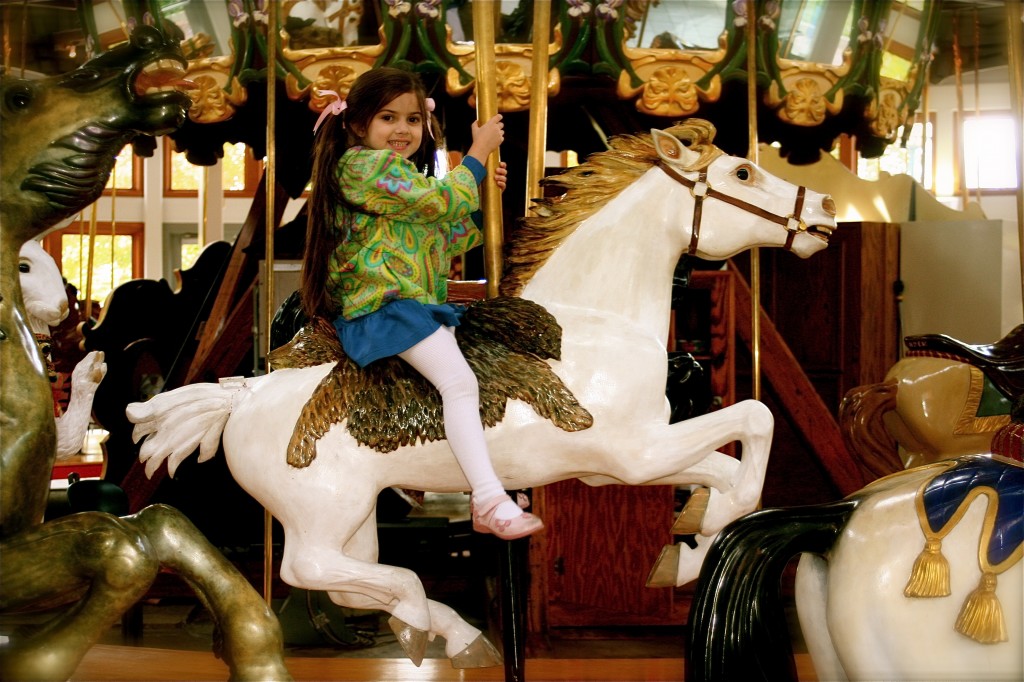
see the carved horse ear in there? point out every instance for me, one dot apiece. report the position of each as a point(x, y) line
point(672, 150)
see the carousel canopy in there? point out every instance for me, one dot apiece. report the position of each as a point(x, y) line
point(823, 67)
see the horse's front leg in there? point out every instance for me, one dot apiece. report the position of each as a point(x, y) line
point(685, 453)
point(74, 423)
point(95, 558)
point(253, 646)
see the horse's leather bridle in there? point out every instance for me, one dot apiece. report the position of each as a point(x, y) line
point(700, 189)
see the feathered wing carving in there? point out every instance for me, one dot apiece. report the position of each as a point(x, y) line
point(388, 404)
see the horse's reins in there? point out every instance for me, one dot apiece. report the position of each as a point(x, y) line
point(700, 189)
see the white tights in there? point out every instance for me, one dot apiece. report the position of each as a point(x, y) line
point(440, 361)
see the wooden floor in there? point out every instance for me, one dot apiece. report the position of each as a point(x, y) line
point(138, 664)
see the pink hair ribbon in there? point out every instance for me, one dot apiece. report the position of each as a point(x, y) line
point(336, 107)
point(430, 108)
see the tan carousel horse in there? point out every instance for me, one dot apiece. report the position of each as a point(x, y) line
point(945, 399)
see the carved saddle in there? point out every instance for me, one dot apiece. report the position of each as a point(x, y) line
point(388, 404)
point(1002, 361)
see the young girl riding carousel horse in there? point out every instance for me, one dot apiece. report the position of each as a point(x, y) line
point(381, 236)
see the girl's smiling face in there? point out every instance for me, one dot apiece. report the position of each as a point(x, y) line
point(398, 126)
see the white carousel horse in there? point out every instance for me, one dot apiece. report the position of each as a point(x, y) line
point(600, 259)
point(918, 576)
point(46, 302)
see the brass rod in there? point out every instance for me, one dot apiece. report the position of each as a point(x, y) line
point(484, 18)
point(752, 156)
point(90, 262)
point(269, 174)
point(538, 134)
point(1015, 52)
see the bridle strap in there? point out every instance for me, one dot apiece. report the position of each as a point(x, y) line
point(701, 190)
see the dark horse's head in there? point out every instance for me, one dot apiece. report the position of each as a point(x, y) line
point(59, 136)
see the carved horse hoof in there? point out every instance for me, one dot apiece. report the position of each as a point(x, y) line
point(479, 654)
point(413, 640)
point(692, 516)
point(665, 569)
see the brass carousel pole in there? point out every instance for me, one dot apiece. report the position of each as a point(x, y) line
point(1015, 52)
point(270, 182)
point(512, 554)
point(484, 18)
point(538, 139)
point(752, 156)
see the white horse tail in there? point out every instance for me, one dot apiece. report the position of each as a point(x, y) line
point(738, 627)
point(175, 422)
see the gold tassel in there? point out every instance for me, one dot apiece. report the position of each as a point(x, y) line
point(981, 617)
point(930, 575)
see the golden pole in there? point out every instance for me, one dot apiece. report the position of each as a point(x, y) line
point(89, 265)
point(270, 177)
point(204, 193)
point(538, 139)
point(1015, 52)
point(486, 107)
point(752, 156)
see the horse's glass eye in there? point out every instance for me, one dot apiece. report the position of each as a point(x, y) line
point(745, 173)
point(24, 267)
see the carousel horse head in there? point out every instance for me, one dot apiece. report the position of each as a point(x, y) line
point(42, 286)
point(61, 135)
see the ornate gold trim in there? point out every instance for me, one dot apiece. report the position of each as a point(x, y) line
point(217, 94)
point(968, 422)
point(806, 84)
point(513, 66)
point(670, 80)
point(333, 68)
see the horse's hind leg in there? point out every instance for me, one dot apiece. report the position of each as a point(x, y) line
point(92, 554)
point(252, 641)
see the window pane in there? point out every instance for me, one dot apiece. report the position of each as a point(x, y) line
point(233, 167)
point(189, 250)
point(123, 175)
point(988, 144)
point(184, 176)
point(914, 160)
point(108, 272)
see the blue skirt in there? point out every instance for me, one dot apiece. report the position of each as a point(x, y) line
point(394, 328)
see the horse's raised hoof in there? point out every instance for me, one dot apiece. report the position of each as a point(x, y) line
point(665, 569)
point(479, 654)
point(692, 516)
point(413, 640)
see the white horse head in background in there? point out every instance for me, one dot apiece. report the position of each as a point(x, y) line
point(46, 302)
point(42, 286)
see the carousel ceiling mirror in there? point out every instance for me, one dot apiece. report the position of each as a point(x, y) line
point(675, 25)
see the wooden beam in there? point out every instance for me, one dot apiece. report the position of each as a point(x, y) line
point(811, 417)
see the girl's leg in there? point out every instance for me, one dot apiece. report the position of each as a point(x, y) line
point(440, 361)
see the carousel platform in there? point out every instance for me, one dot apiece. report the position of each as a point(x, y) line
point(105, 662)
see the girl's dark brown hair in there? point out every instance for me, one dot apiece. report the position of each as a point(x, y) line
point(369, 94)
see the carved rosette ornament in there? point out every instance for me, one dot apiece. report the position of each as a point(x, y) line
point(512, 67)
point(217, 93)
point(669, 81)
